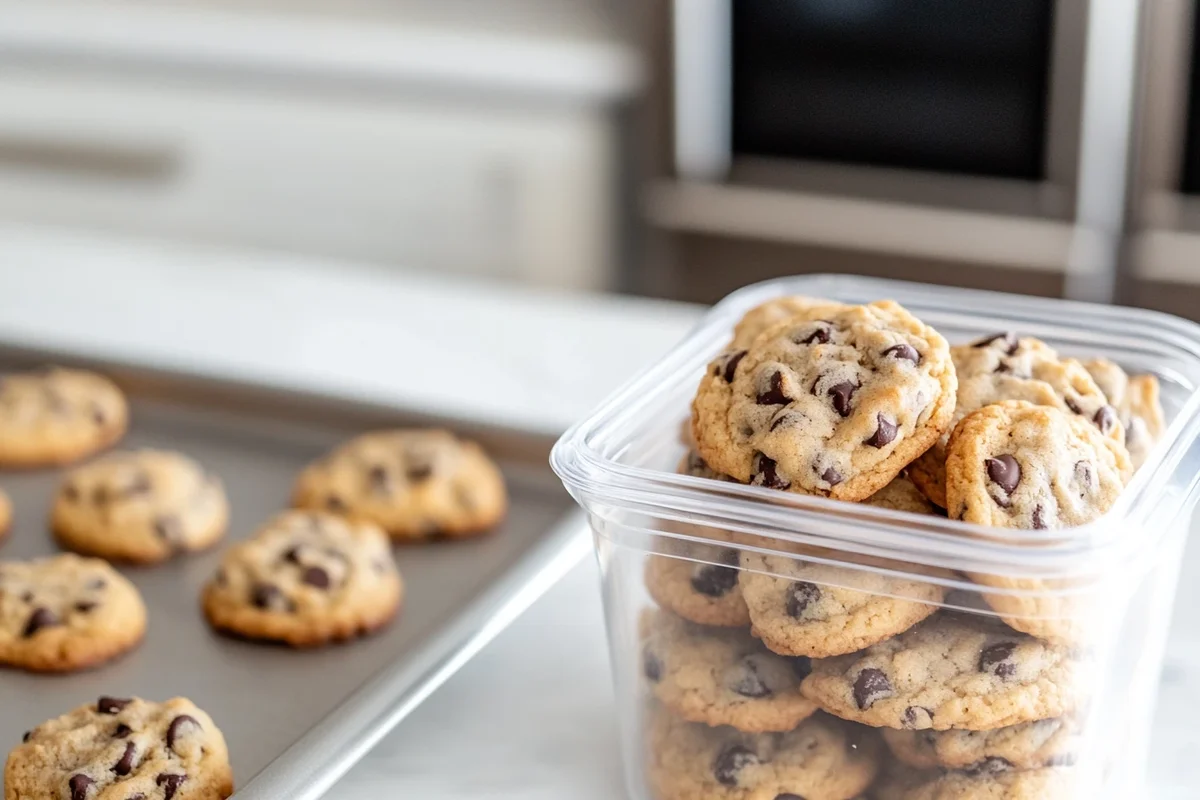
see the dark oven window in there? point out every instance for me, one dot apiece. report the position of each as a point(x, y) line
point(947, 85)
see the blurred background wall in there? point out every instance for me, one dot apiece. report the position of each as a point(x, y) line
point(676, 149)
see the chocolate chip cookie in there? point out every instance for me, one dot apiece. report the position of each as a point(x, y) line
point(721, 676)
point(1138, 406)
point(1030, 745)
point(56, 416)
point(834, 402)
point(1017, 465)
point(66, 613)
point(701, 583)
point(306, 578)
point(771, 313)
point(142, 506)
point(122, 749)
point(1007, 367)
point(413, 483)
point(951, 671)
point(821, 759)
point(1050, 783)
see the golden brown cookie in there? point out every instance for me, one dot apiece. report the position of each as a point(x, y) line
point(413, 483)
point(951, 671)
point(66, 613)
point(56, 416)
point(122, 749)
point(721, 676)
point(6, 512)
point(1005, 367)
point(1138, 405)
point(1030, 745)
point(833, 402)
point(770, 313)
point(142, 506)
point(306, 578)
point(822, 759)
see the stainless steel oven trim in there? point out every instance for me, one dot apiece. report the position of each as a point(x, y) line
point(703, 146)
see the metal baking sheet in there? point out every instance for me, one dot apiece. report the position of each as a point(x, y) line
point(295, 721)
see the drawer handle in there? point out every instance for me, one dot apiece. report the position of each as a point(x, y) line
point(115, 161)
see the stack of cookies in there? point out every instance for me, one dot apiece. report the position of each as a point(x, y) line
point(782, 670)
point(323, 572)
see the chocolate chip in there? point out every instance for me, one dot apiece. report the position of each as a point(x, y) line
point(1105, 419)
point(28, 735)
point(379, 478)
point(125, 765)
point(785, 418)
point(335, 504)
point(801, 666)
point(885, 434)
point(169, 528)
point(713, 580)
point(79, 785)
point(800, 595)
point(832, 476)
point(871, 685)
point(995, 660)
point(419, 471)
point(989, 766)
point(841, 394)
point(749, 682)
point(316, 576)
point(26, 597)
point(40, 618)
point(268, 596)
point(138, 796)
point(111, 705)
point(765, 473)
point(177, 726)
point(913, 715)
point(904, 351)
point(731, 365)
point(292, 554)
point(652, 666)
point(819, 336)
point(774, 396)
point(1008, 338)
point(122, 731)
point(1005, 472)
point(70, 492)
point(730, 761)
point(85, 606)
point(1072, 404)
point(170, 784)
point(1039, 518)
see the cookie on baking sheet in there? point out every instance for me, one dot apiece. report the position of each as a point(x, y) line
point(721, 676)
point(122, 749)
point(141, 506)
point(1136, 399)
point(306, 578)
point(770, 313)
point(951, 671)
point(803, 608)
point(56, 416)
point(821, 759)
point(412, 483)
point(834, 402)
point(1030, 745)
point(1048, 783)
point(1008, 367)
point(6, 512)
point(1018, 465)
point(66, 613)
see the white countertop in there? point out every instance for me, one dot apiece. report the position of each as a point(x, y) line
point(532, 716)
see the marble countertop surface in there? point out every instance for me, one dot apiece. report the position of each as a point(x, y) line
point(533, 715)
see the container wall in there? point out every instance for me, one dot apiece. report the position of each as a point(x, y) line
point(739, 676)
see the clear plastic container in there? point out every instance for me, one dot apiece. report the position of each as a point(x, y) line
point(707, 711)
